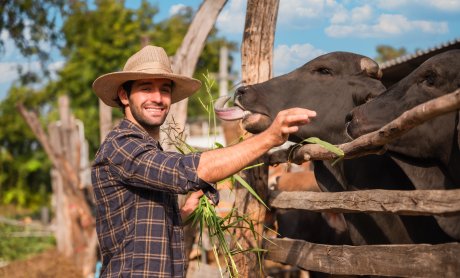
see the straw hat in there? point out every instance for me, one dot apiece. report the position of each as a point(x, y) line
point(149, 62)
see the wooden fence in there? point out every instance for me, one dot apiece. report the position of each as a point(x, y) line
point(395, 260)
point(407, 260)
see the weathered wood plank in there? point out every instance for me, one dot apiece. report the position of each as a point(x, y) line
point(416, 202)
point(422, 260)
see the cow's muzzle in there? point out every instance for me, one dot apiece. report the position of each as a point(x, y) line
point(228, 113)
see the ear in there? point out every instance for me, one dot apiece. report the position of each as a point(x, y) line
point(123, 96)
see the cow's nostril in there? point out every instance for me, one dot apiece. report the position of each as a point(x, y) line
point(240, 91)
point(349, 117)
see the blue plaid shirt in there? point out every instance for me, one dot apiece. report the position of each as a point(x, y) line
point(138, 220)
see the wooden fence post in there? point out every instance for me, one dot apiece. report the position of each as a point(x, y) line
point(256, 56)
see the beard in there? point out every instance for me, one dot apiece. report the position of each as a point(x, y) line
point(150, 120)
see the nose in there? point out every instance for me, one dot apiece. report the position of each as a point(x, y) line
point(155, 96)
point(349, 117)
point(240, 92)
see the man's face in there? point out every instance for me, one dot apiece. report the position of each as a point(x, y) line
point(149, 102)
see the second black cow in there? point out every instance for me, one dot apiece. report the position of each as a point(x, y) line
point(433, 146)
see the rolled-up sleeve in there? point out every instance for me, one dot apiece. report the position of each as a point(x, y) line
point(129, 156)
point(142, 164)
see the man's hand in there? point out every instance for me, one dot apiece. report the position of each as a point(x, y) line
point(190, 204)
point(287, 122)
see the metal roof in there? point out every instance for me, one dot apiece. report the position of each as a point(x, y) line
point(396, 69)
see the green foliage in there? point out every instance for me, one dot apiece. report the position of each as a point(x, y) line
point(326, 145)
point(31, 25)
point(219, 230)
point(386, 52)
point(24, 167)
point(15, 248)
point(96, 39)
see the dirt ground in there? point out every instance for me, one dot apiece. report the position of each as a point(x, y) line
point(48, 264)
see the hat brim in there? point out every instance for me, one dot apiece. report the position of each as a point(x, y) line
point(106, 86)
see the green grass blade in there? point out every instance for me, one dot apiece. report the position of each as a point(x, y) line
point(324, 144)
point(253, 166)
point(249, 188)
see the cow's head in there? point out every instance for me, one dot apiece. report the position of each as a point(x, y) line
point(331, 84)
point(437, 76)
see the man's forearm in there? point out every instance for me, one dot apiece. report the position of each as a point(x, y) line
point(218, 164)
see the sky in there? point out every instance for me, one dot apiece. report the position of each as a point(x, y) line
point(308, 28)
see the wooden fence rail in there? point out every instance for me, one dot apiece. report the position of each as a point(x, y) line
point(415, 202)
point(411, 260)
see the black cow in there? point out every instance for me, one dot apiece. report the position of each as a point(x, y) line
point(434, 145)
point(332, 85)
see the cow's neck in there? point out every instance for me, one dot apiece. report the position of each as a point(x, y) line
point(454, 168)
point(453, 164)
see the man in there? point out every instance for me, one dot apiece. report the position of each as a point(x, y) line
point(136, 183)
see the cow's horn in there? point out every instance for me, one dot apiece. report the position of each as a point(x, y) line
point(371, 68)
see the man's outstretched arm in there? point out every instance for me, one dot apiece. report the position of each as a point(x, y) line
point(218, 164)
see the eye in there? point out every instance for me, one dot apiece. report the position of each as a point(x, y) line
point(166, 90)
point(324, 71)
point(430, 78)
point(145, 88)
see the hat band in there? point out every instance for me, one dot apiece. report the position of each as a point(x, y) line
point(150, 66)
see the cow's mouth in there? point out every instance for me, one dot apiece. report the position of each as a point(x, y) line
point(229, 113)
point(253, 122)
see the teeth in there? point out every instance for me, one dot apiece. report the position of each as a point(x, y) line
point(246, 113)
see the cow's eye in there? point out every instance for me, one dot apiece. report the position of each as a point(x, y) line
point(324, 71)
point(430, 78)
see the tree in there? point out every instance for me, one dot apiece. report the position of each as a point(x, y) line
point(32, 27)
point(386, 52)
point(208, 62)
point(24, 168)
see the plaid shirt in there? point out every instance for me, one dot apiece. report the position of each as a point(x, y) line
point(138, 220)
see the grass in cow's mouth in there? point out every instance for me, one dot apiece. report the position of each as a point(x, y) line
point(219, 229)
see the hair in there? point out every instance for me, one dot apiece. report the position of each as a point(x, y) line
point(127, 86)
